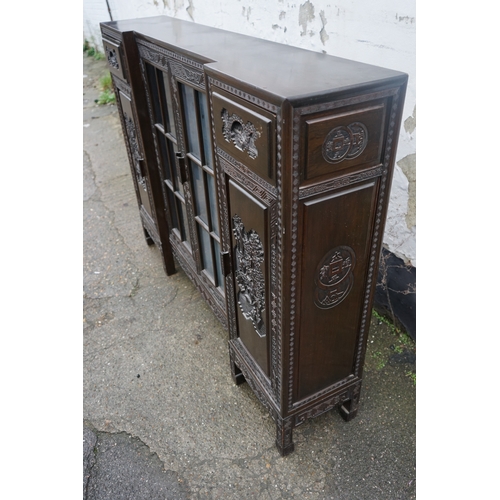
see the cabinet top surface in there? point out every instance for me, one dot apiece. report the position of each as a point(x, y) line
point(278, 69)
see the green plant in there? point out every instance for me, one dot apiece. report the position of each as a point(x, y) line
point(92, 51)
point(107, 95)
point(413, 376)
point(380, 359)
point(402, 337)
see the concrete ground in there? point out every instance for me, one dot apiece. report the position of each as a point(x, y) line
point(162, 418)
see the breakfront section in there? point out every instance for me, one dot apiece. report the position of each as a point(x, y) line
point(268, 179)
point(121, 55)
point(303, 193)
point(174, 86)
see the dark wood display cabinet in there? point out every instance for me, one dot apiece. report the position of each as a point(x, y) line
point(265, 170)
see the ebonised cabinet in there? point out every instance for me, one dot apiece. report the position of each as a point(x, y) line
point(265, 170)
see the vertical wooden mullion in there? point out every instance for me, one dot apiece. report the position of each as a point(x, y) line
point(188, 185)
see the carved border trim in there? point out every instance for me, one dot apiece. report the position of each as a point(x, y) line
point(338, 182)
point(115, 37)
point(330, 389)
point(328, 404)
point(235, 169)
point(377, 234)
point(176, 66)
point(123, 86)
point(276, 268)
point(244, 95)
point(158, 51)
point(250, 185)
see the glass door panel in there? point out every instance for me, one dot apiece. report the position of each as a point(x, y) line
point(164, 124)
point(199, 155)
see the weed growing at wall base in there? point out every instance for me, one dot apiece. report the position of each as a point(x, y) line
point(107, 96)
point(92, 51)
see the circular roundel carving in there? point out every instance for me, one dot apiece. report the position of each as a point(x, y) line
point(334, 279)
point(359, 139)
point(345, 142)
point(337, 144)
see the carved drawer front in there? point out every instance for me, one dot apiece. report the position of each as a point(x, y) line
point(347, 139)
point(246, 133)
point(114, 58)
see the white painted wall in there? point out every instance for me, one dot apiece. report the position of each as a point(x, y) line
point(380, 33)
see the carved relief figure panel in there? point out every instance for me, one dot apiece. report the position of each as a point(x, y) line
point(249, 220)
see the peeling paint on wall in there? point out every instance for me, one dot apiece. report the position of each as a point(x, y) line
point(246, 12)
point(405, 19)
point(408, 165)
point(411, 122)
point(306, 15)
point(323, 34)
point(190, 10)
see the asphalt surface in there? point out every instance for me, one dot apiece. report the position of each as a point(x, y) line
point(162, 418)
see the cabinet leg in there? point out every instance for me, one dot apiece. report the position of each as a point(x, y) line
point(349, 409)
point(149, 240)
point(284, 430)
point(238, 377)
point(168, 262)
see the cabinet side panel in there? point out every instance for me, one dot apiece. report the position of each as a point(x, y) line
point(336, 235)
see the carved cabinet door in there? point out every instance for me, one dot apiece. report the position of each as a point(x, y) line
point(246, 174)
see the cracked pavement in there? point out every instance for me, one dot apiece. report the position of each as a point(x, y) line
point(162, 417)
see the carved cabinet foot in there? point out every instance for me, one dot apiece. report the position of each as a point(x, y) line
point(349, 409)
point(148, 238)
point(284, 430)
point(238, 377)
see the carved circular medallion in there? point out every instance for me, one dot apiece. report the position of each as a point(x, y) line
point(359, 139)
point(337, 144)
point(345, 142)
point(334, 278)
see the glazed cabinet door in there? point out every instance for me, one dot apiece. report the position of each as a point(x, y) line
point(181, 127)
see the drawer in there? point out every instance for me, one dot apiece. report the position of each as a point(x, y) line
point(114, 57)
point(245, 132)
point(343, 140)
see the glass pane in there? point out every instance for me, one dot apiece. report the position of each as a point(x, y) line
point(171, 123)
point(167, 174)
point(173, 209)
point(191, 122)
point(213, 206)
point(206, 251)
point(220, 280)
point(150, 70)
point(172, 149)
point(185, 225)
point(199, 192)
point(205, 129)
